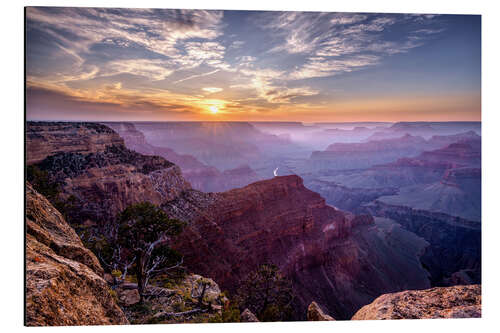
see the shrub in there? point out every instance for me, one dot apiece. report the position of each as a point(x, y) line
point(268, 294)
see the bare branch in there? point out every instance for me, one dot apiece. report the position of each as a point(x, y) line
point(177, 314)
point(166, 269)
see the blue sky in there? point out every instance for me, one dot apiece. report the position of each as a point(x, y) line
point(151, 64)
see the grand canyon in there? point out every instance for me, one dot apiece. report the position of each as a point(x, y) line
point(390, 214)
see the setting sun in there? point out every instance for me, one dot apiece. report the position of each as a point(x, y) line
point(213, 109)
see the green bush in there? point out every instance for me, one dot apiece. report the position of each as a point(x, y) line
point(116, 273)
point(113, 295)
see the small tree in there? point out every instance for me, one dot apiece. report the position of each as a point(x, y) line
point(144, 232)
point(267, 294)
point(40, 180)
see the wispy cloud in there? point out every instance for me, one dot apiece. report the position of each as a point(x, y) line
point(265, 82)
point(336, 43)
point(321, 67)
point(156, 29)
point(154, 69)
point(197, 76)
point(212, 90)
point(237, 44)
point(164, 33)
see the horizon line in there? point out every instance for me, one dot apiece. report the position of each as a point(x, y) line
point(253, 121)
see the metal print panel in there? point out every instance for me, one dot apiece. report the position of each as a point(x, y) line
point(196, 166)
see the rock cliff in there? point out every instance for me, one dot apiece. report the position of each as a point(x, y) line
point(440, 302)
point(461, 153)
point(339, 260)
point(63, 279)
point(47, 138)
point(104, 179)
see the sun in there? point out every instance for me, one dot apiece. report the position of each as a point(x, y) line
point(213, 109)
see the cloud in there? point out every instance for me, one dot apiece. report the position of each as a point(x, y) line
point(204, 50)
point(153, 69)
point(197, 76)
point(321, 67)
point(237, 44)
point(334, 43)
point(263, 81)
point(343, 19)
point(157, 41)
point(212, 90)
point(285, 95)
point(157, 30)
point(247, 59)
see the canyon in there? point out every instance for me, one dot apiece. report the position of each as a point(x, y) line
point(237, 219)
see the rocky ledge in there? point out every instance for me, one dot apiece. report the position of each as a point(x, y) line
point(63, 279)
point(440, 302)
point(47, 138)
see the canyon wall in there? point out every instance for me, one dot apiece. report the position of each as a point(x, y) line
point(454, 254)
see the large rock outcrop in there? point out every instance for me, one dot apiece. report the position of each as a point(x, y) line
point(439, 302)
point(47, 138)
point(63, 279)
point(340, 260)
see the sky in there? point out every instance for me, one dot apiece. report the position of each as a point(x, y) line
point(105, 64)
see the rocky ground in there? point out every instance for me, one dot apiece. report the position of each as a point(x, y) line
point(439, 302)
point(176, 301)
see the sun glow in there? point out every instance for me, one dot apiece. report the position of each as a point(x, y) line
point(214, 109)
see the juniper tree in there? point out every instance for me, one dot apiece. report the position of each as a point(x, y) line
point(145, 232)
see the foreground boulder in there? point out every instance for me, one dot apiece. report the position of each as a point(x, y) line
point(63, 279)
point(314, 313)
point(440, 302)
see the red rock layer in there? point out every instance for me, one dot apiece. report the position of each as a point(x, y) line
point(280, 221)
